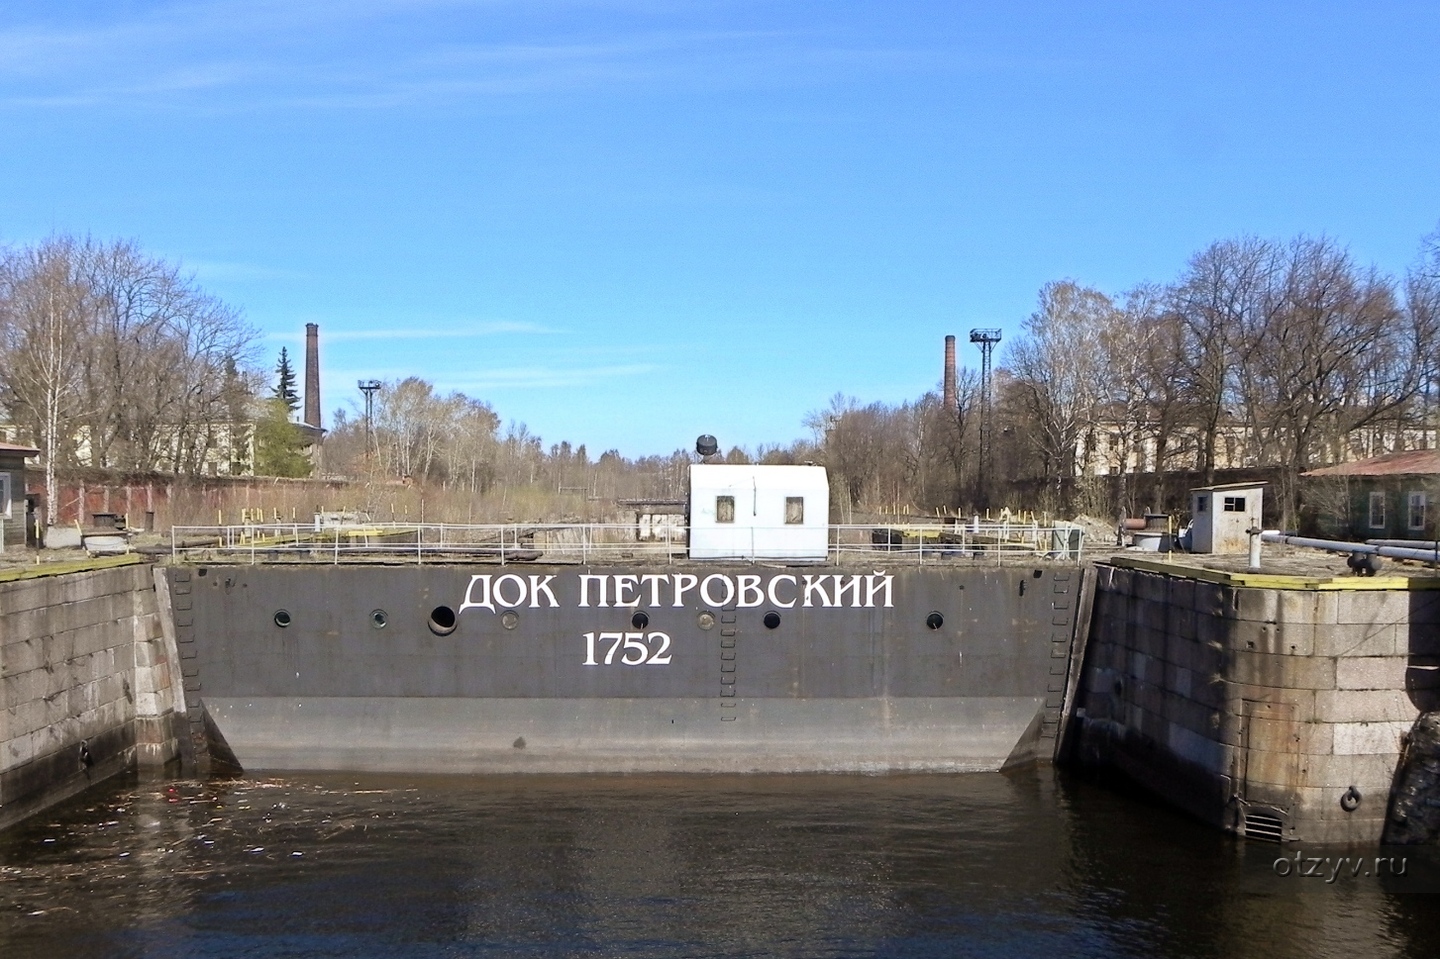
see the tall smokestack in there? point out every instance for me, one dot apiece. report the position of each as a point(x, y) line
point(312, 375)
point(951, 397)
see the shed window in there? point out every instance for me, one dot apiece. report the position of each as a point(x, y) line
point(1417, 510)
point(1377, 510)
point(724, 509)
point(1234, 504)
point(4, 496)
point(1202, 503)
point(794, 510)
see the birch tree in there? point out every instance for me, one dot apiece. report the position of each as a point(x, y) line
point(46, 312)
point(1058, 370)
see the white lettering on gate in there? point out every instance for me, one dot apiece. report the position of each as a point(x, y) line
point(654, 579)
point(729, 589)
point(872, 588)
point(682, 587)
point(538, 586)
point(745, 590)
point(622, 583)
point(775, 600)
point(853, 587)
point(817, 586)
point(510, 578)
point(484, 601)
point(585, 579)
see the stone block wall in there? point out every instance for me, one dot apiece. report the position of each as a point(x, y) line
point(85, 684)
point(1258, 709)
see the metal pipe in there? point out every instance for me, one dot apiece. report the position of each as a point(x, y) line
point(1340, 546)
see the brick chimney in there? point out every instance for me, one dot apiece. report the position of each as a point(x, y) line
point(312, 375)
point(951, 397)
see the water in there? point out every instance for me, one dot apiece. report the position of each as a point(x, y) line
point(314, 865)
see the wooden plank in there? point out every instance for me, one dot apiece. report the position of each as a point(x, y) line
point(73, 566)
point(1277, 580)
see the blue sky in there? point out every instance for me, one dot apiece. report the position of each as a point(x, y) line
point(626, 223)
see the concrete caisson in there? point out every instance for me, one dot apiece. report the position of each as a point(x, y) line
point(1271, 707)
point(85, 684)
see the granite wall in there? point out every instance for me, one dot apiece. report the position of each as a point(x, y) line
point(1274, 712)
point(86, 686)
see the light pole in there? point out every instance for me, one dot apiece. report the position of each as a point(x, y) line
point(987, 340)
point(369, 388)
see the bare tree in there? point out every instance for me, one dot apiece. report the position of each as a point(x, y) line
point(1422, 311)
point(46, 310)
point(1214, 300)
point(154, 368)
point(1328, 356)
point(1057, 373)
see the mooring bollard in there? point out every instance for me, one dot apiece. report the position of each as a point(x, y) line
point(1254, 533)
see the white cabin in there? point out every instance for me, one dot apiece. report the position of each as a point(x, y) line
point(1220, 516)
point(759, 512)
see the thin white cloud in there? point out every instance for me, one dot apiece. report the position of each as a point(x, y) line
point(546, 377)
point(479, 383)
point(466, 331)
point(232, 56)
point(229, 271)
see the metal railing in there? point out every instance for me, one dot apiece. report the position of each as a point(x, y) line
point(614, 542)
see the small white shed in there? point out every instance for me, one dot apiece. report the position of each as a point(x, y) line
point(759, 512)
point(1220, 516)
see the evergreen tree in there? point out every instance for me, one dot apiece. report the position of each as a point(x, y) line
point(285, 383)
point(279, 444)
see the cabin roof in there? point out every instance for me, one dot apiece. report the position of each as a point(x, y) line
point(725, 475)
point(1403, 463)
point(1222, 487)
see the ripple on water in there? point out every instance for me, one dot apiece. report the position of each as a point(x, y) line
point(311, 865)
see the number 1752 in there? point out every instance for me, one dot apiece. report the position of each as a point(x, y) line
point(634, 649)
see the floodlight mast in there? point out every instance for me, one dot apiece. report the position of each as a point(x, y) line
point(369, 388)
point(987, 339)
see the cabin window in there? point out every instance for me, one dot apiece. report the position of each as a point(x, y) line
point(1202, 503)
point(724, 509)
point(1417, 510)
point(794, 510)
point(4, 496)
point(1377, 510)
point(1234, 504)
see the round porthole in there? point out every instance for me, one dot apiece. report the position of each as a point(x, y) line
point(771, 620)
point(378, 619)
point(934, 620)
point(509, 619)
point(442, 621)
point(640, 620)
point(282, 618)
point(705, 620)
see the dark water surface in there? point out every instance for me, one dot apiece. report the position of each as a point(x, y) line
point(311, 865)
